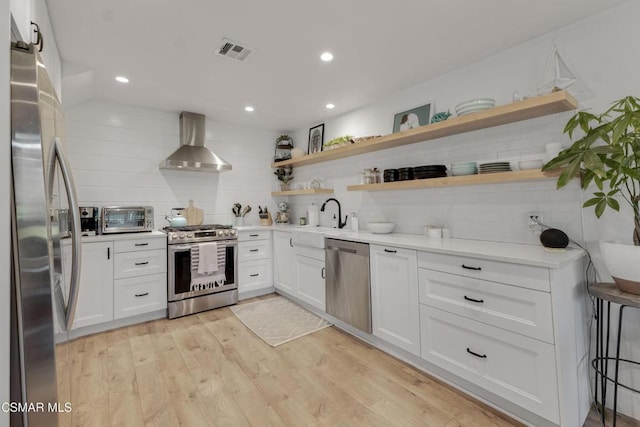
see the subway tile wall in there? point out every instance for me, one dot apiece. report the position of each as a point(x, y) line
point(493, 212)
point(114, 151)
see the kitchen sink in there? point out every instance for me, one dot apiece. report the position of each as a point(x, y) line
point(313, 237)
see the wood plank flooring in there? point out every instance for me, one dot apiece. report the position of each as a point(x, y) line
point(210, 370)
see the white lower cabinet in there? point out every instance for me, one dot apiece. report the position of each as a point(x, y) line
point(138, 295)
point(518, 368)
point(310, 275)
point(283, 266)
point(140, 273)
point(254, 263)
point(394, 296)
point(95, 294)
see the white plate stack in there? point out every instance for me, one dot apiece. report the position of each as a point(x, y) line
point(474, 106)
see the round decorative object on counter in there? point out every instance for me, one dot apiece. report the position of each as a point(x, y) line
point(554, 239)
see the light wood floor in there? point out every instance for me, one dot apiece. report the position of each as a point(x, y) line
point(210, 370)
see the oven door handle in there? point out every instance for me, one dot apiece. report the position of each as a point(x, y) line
point(175, 248)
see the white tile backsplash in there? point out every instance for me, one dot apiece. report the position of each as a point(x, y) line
point(114, 151)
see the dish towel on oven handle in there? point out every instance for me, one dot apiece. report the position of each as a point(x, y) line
point(207, 266)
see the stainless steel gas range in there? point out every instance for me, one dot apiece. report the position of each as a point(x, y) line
point(202, 268)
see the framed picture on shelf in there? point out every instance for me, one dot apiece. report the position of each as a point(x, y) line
point(316, 139)
point(413, 118)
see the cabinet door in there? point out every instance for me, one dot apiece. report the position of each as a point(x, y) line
point(310, 279)
point(95, 296)
point(394, 296)
point(283, 262)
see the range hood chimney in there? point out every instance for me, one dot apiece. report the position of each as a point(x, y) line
point(192, 154)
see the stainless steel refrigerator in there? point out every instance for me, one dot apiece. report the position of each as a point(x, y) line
point(46, 247)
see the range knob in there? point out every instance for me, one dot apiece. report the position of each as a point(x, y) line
point(226, 232)
point(233, 232)
point(220, 233)
point(181, 235)
point(189, 235)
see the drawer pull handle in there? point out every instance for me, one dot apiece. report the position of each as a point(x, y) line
point(471, 268)
point(323, 273)
point(291, 241)
point(142, 295)
point(253, 235)
point(142, 263)
point(473, 300)
point(391, 251)
point(141, 244)
point(254, 275)
point(254, 250)
point(481, 356)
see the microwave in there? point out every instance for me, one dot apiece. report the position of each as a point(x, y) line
point(127, 219)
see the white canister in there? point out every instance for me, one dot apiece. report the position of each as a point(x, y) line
point(313, 215)
point(433, 232)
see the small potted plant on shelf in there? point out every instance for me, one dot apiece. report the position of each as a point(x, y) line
point(284, 175)
point(284, 141)
point(608, 153)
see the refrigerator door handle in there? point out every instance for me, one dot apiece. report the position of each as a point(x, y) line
point(76, 234)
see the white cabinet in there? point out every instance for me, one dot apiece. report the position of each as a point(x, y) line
point(283, 262)
point(515, 330)
point(140, 273)
point(518, 368)
point(310, 275)
point(254, 263)
point(95, 294)
point(394, 296)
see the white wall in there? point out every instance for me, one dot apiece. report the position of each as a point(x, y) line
point(115, 150)
point(597, 51)
point(5, 224)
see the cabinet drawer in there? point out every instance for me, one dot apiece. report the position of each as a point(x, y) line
point(131, 264)
point(140, 244)
point(137, 295)
point(516, 309)
point(517, 368)
point(254, 275)
point(244, 236)
point(248, 251)
point(525, 276)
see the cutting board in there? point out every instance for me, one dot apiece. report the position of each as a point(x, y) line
point(194, 215)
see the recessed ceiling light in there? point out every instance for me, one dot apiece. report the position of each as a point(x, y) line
point(330, 106)
point(122, 79)
point(326, 57)
point(248, 108)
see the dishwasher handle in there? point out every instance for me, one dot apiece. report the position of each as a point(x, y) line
point(349, 250)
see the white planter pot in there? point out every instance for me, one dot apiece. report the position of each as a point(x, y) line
point(623, 263)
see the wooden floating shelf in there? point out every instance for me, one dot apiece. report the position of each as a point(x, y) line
point(303, 192)
point(544, 105)
point(489, 178)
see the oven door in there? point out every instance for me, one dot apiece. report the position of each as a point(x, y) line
point(180, 271)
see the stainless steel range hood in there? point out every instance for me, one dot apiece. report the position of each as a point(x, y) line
point(192, 154)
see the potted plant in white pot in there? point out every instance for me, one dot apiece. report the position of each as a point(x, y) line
point(284, 174)
point(608, 155)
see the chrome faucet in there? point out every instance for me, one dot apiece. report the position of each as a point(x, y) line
point(340, 223)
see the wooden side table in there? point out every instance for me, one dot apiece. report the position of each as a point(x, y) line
point(609, 293)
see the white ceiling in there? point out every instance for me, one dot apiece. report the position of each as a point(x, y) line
point(166, 48)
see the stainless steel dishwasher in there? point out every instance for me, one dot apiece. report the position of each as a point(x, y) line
point(348, 286)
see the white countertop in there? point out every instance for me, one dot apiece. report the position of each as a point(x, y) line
point(535, 255)
point(155, 234)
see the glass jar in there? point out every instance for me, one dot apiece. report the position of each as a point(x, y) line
point(361, 178)
point(368, 177)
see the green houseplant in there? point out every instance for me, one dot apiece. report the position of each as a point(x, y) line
point(607, 153)
point(284, 175)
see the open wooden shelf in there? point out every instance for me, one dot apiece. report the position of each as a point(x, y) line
point(544, 105)
point(489, 178)
point(302, 192)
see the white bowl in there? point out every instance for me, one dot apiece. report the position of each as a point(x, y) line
point(377, 227)
point(530, 164)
